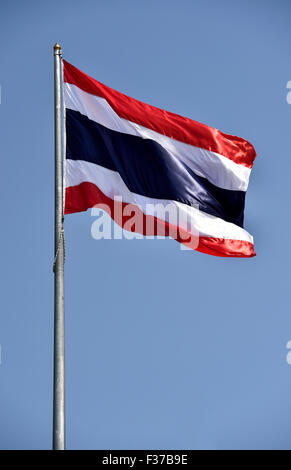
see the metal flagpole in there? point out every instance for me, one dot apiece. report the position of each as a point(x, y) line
point(58, 268)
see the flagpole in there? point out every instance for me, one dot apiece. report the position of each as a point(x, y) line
point(59, 312)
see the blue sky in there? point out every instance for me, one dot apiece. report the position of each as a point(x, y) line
point(164, 349)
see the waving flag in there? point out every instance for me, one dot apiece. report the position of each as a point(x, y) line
point(118, 147)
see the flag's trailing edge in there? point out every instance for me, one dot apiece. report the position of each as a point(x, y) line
point(118, 146)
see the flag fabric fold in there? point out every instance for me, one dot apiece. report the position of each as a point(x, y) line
point(119, 147)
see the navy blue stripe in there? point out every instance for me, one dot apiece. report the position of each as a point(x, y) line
point(148, 169)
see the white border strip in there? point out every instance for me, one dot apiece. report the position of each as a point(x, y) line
point(112, 185)
point(218, 169)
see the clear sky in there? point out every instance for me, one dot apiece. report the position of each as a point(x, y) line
point(165, 348)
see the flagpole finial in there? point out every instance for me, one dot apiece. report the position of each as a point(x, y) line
point(57, 47)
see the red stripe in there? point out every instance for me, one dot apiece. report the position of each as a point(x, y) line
point(86, 195)
point(172, 125)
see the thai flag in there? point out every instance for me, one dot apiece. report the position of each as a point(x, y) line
point(122, 153)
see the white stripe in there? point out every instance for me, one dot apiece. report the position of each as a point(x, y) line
point(112, 185)
point(218, 169)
